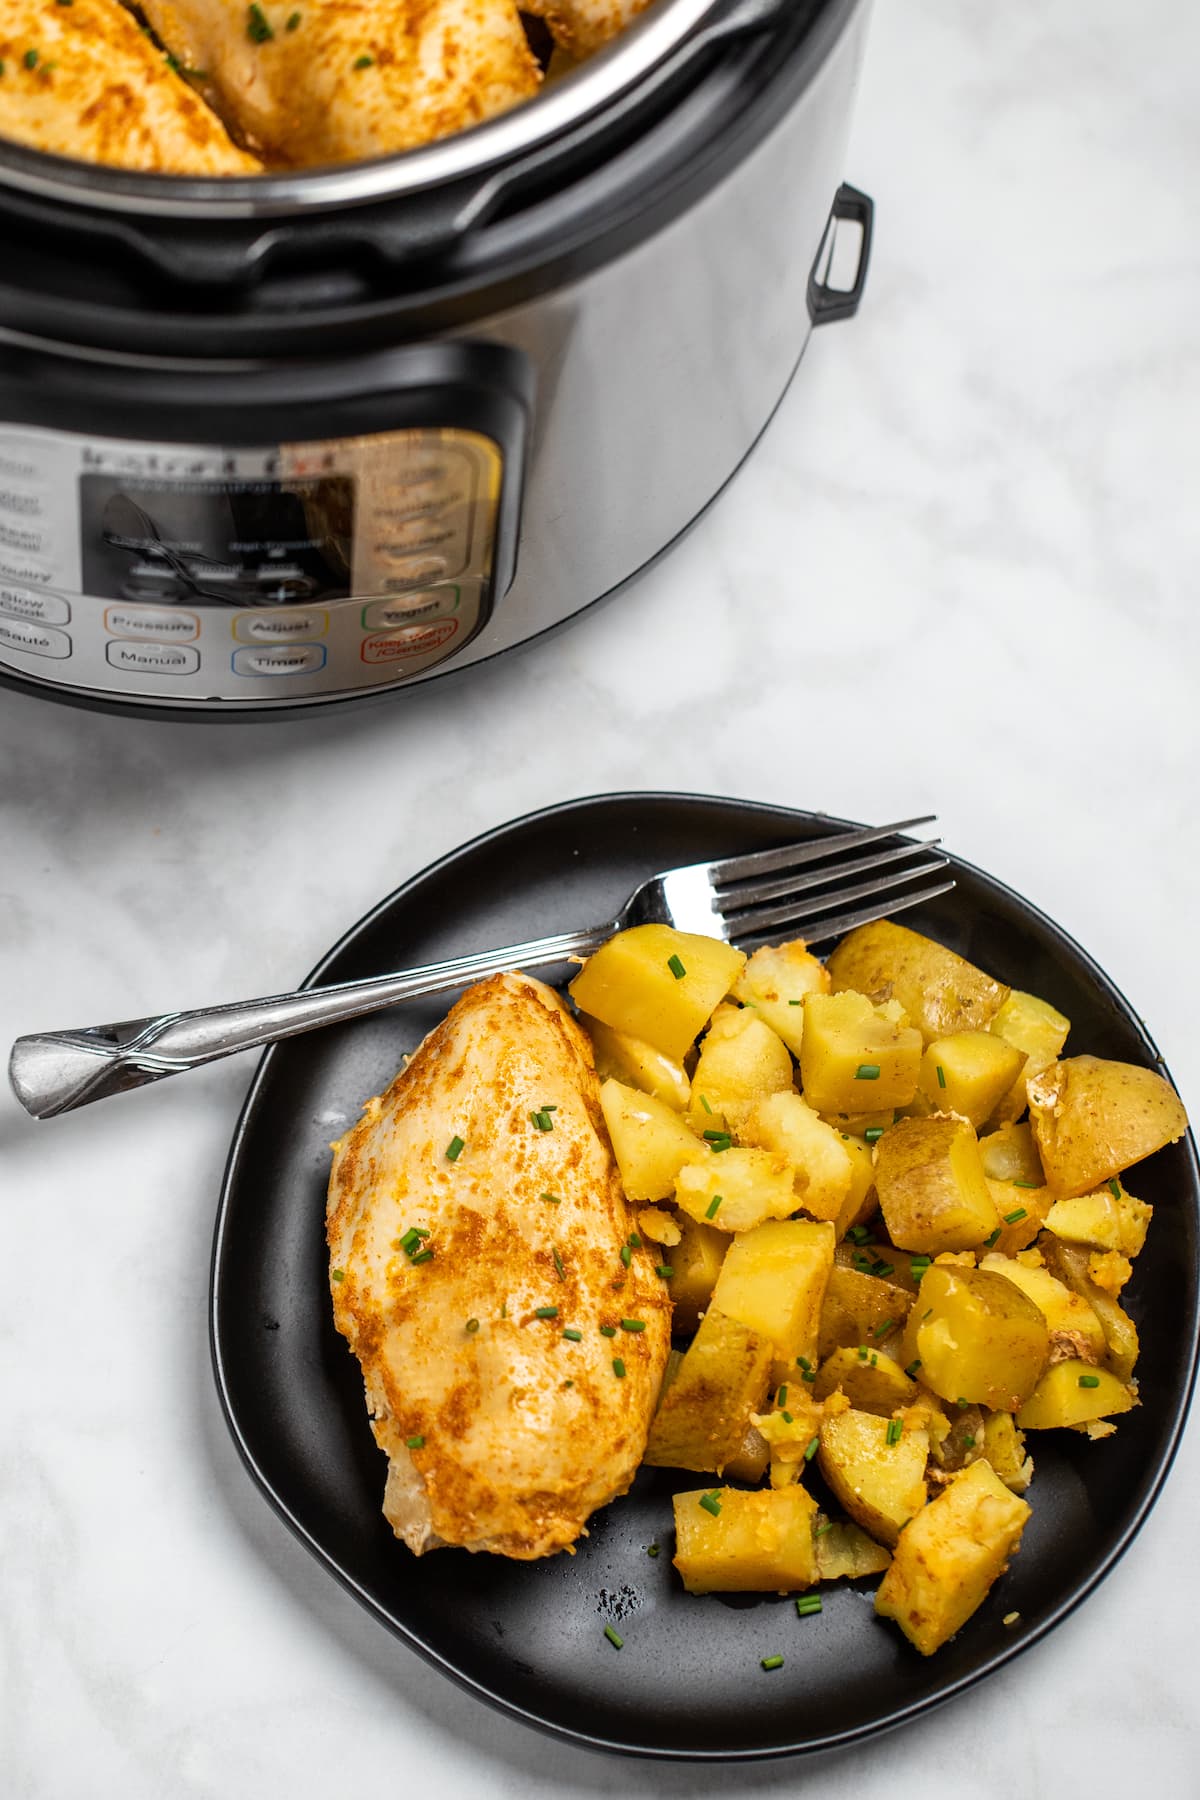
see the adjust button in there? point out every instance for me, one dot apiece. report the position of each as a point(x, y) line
point(407, 609)
point(152, 659)
point(279, 627)
point(279, 659)
point(150, 622)
point(46, 609)
point(37, 640)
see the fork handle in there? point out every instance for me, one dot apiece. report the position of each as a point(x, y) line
point(54, 1072)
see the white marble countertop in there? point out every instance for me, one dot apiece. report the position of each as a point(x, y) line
point(958, 575)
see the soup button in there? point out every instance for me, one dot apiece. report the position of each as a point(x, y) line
point(410, 640)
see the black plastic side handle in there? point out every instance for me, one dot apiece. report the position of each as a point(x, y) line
point(825, 304)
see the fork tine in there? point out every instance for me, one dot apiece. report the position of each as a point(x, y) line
point(764, 918)
point(824, 929)
point(792, 856)
point(757, 893)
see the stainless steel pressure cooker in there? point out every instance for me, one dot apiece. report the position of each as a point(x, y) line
point(281, 441)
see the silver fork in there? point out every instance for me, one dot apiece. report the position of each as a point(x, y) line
point(813, 884)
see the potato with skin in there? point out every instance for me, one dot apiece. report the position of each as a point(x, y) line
point(633, 984)
point(1039, 1031)
point(1004, 1447)
point(1073, 1393)
point(1009, 1154)
point(856, 1309)
point(638, 1064)
point(1068, 1316)
point(940, 991)
point(736, 1189)
point(979, 1339)
point(773, 1281)
point(824, 1175)
point(968, 1073)
point(874, 1383)
point(880, 1484)
point(1072, 1264)
point(775, 981)
point(1092, 1119)
point(740, 1543)
point(932, 1190)
point(854, 1058)
point(1111, 1219)
point(650, 1141)
point(695, 1262)
point(845, 1552)
point(948, 1557)
point(702, 1417)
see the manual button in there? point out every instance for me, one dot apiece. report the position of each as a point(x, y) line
point(151, 622)
point(46, 609)
point(279, 659)
point(37, 640)
point(152, 659)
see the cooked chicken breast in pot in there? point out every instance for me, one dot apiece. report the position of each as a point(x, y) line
point(512, 1338)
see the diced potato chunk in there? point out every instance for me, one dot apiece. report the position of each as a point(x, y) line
point(979, 1338)
point(737, 1068)
point(1067, 1315)
point(857, 1309)
point(744, 1543)
point(1004, 1448)
point(736, 1189)
point(638, 1064)
point(949, 1556)
point(650, 1141)
point(1092, 1119)
point(659, 1227)
point(1108, 1220)
point(695, 1262)
point(1072, 1393)
point(845, 1550)
point(872, 1382)
point(633, 983)
point(773, 1280)
point(968, 1073)
point(823, 1170)
point(1009, 1154)
point(1039, 1031)
point(880, 1484)
point(1072, 1264)
point(854, 1058)
point(861, 1202)
point(775, 981)
point(1022, 1212)
point(750, 1463)
point(932, 1190)
point(940, 991)
point(702, 1419)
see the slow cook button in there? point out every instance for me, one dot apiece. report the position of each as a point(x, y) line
point(279, 627)
point(37, 640)
point(407, 609)
point(152, 659)
point(411, 640)
point(279, 659)
point(150, 622)
point(46, 609)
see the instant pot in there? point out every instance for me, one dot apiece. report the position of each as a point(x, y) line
point(283, 441)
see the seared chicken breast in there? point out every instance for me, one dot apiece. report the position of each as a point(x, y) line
point(327, 81)
point(481, 1270)
point(581, 27)
point(82, 79)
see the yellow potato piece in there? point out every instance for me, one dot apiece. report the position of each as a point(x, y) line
point(773, 1280)
point(978, 1338)
point(854, 1058)
point(702, 1418)
point(824, 1174)
point(1092, 1119)
point(968, 1073)
point(632, 983)
point(857, 1308)
point(650, 1141)
point(873, 1383)
point(1073, 1393)
point(845, 1551)
point(775, 981)
point(745, 1543)
point(880, 1484)
point(638, 1064)
point(1039, 1031)
point(1009, 1154)
point(1004, 1448)
point(1067, 1314)
point(948, 1557)
point(1108, 1220)
point(932, 1190)
point(736, 1068)
point(735, 1189)
point(940, 991)
point(695, 1262)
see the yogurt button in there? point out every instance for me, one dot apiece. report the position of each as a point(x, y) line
point(279, 659)
point(37, 640)
point(405, 609)
point(47, 609)
point(152, 659)
point(146, 621)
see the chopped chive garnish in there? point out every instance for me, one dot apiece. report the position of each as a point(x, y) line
point(651, 1549)
point(781, 1396)
point(608, 1331)
point(258, 26)
point(542, 1118)
point(363, 62)
point(912, 1367)
point(415, 1443)
point(961, 1402)
point(411, 1240)
point(881, 1268)
point(665, 1270)
point(575, 1337)
point(969, 1443)
point(862, 1353)
point(863, 1264)
point(918, 1266)
point(927, 1314)
point(472, 1325)
point(705, 1105)
point(339, 1274)
point(568, 1383)
point(676, 967)
point(454, 1149)
point(1089, 1381)
point(1012, 1217)
point(422, 1256)
point(504, 1309)
point(545, 1312)
point(634, 1241)
point(714, 1206)
point(989, 1241)
point(712, 1503)
point(718, 1140)
point(626, 1255)
point(1114, 1188)
point(558, 1266)
point(809, 1375)
point(895, 1430)
point(795, 1003)
point(772, 1662)
point(614, 1638)
point(882, 1330)
point(1025, 1184)
point(30, 59)
point(633, 1324)
point(873, 1133)
point(786, 1416)
point(807, 1604)
point(618, 1368)
point(858, 1234)
point(293, 20)
point(822, 1529)
point(811, 1448)
point(552, 1198)
point(874, 1360)
point(802, 1362)
point(867, 1072)
point(941, 1075)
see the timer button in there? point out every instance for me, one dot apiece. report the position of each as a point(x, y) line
point(279, 659)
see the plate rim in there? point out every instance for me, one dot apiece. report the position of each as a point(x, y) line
point(904, 1714)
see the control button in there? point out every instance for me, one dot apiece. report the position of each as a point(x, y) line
point(405, 609)
point(279, 659)
point(145, 621)
point(411, 640)
point(38, 640)
point(47, 609)
point(414, 571)
point(279, 627)
point(152, 659)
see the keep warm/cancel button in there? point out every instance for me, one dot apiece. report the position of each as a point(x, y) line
point(410, 640)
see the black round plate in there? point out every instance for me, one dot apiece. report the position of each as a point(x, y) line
point(530, 1637)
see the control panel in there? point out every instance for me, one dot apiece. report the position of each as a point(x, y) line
point(194, 574)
